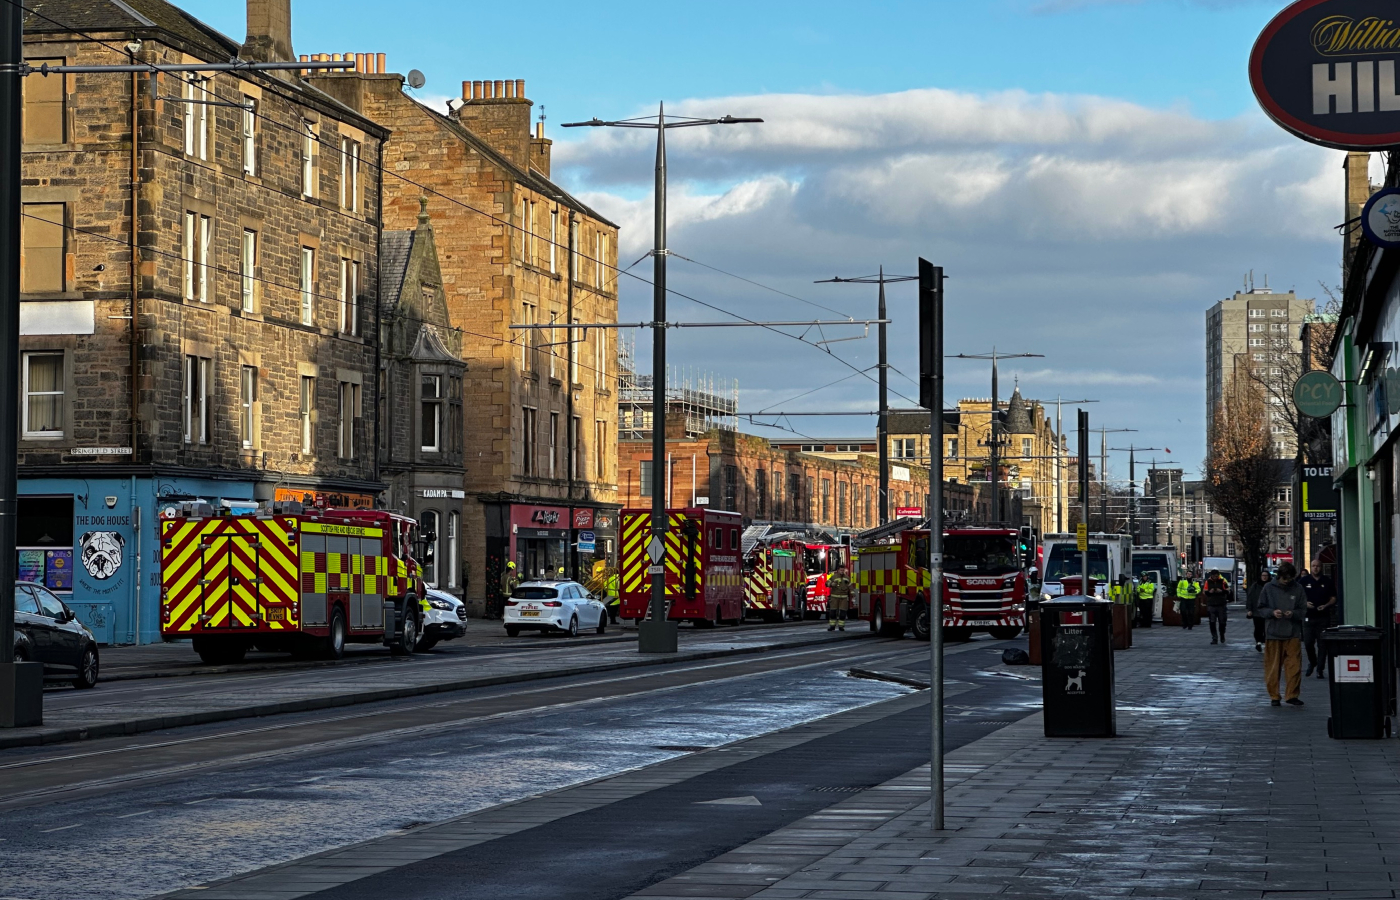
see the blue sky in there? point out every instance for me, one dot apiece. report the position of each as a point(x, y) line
point(1081, 167)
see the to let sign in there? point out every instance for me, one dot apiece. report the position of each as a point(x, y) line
point(1325, 70)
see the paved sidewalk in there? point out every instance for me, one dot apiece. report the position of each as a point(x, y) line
point(1207, 792)
point(154, 704)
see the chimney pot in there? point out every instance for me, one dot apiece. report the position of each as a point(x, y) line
point(510, 88)
point(381, 63)
point(520, 88)
point(476, 90)
point(466, 90)
point(500, 89)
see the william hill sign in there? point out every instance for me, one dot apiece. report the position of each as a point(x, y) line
point(1326, 71)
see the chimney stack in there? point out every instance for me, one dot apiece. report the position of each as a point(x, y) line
point(269, 32)
point(499, 113)
point(1358, 190)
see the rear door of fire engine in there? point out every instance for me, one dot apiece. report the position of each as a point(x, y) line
point(231, 579)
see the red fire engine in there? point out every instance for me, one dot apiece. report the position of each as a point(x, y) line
point(821, 562)
point(773, 579)
point(984, 587)
point(700, 560)
point(300, 582)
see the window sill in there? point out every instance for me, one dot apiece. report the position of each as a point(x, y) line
point(45, 441)
point(42, 296)
point(555, 382)
point(602, 392)
point(353, 338)
point(248, 314)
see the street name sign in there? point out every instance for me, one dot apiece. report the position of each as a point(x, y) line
point(1317, 394)
point(1325, 70)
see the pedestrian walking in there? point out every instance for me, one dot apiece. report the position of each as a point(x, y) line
point(1322, 602)
point(1146, 593)
point(1217, 600)
point(838, 601)
point(1283, 603)
point(1186, 591)
point(1251, 609)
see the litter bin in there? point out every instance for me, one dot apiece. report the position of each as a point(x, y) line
point(1355, 668)
point(1076, 652)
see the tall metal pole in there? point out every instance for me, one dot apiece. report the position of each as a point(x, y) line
point(571, 436)
point(996, 463)
point(933, 275)
point(21, 683)
point(1103, 482)
point(1132, 496)
point(884, 423)
point(11, 88)
point(659, 635)
point(1059, 460)
point(1084, 494)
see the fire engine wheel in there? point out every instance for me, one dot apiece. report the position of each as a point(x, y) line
point(877, 622)
point(408, 639)
point(923, 629)
point(334, 644)
point(220, 651)
point(1005, 632)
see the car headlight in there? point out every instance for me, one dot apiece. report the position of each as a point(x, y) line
point(440, 604)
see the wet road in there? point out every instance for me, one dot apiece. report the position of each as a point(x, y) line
point(132, 818)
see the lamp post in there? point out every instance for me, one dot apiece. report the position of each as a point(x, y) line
point(1132, 486)
point(1059, 463)
point(994, 442)
point(656, 634)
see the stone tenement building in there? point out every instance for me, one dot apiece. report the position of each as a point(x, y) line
point(540, 424)
point(1027, 461)
point(767, 484)
point(199, 260)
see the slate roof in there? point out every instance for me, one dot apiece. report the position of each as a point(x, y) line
point(1018, 415)
point(916, 421)
point(394, 254)
point(163, 21)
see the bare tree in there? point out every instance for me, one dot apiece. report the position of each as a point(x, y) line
point(1241, 470)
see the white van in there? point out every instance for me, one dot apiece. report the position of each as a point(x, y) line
point(1109, 559)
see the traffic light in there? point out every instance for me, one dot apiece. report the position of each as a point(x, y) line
point(1026, 545)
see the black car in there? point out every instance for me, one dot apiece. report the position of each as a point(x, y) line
point(47, 632)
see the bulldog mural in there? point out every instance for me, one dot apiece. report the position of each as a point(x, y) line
point(101, 553)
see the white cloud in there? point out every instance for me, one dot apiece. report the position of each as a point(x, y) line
point(1092, 230)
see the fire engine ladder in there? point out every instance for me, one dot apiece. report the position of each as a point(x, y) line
point(882, 533)
point(753, 535)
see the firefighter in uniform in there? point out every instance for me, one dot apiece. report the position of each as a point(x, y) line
point(1186, 591)
point(838, 600)
point(509, 582)
point(1146, 593)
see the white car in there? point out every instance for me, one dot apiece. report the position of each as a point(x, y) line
point(444, 618)
point(554, 606)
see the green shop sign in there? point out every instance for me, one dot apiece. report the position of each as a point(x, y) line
point(1317, 394)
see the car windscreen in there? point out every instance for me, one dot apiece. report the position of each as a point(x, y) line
point(535, 593)
point(1150, 562)
point(1064, 561)
point(980, 554)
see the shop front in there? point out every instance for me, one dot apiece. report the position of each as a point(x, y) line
point(93, 542)
point(540, 538)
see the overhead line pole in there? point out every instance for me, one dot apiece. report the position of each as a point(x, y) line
point(1059, 462)
point(994, 441)
point(657, 634)
point(931, 351)
point(882, 427)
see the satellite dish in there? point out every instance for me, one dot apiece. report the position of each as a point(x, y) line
point(416, 79)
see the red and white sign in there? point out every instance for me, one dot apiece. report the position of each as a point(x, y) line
point(908, 512)
point(1355, 669)
point(583, 518)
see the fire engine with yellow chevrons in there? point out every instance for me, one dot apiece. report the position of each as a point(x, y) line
point(700, 560)
point(774, 579)
point(287, 580)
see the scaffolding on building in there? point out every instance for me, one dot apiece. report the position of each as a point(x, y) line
point(703, 400)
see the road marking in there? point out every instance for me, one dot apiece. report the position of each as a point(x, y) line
point(61, 828)
point(201, 800)
point(144, 812)
point(732, 801)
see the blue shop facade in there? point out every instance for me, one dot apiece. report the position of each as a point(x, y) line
point(93, 541)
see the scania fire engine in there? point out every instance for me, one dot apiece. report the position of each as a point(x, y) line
point(820, 562)
point(700, 560)
point(299, 582)
point(984, 586)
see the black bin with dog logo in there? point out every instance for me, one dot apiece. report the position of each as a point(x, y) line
point(1076, 666)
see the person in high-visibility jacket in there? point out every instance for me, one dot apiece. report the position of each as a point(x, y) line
point(838, 600)
point(612, 599)
point(1146, 594)
point(1186, 591)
